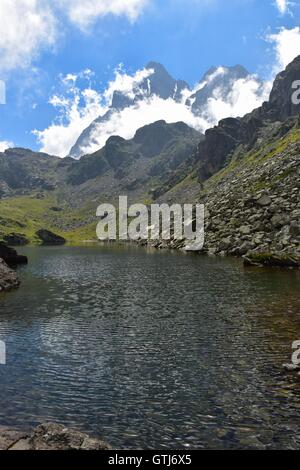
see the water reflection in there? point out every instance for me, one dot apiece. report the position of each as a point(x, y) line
point(152, 350)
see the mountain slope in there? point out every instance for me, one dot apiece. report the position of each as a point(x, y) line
point(62, 195)
point(245, 170)
point(247, 173)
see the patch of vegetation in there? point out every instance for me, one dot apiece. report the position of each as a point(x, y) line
point(34, 213)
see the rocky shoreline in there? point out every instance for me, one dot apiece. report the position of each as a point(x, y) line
point(9, 279)
point(9, 259)
point(49, 436)
point(252, 205)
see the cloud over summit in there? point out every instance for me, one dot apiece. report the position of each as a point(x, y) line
point(235, 97)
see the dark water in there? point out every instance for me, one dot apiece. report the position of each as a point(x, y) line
point(152, 350)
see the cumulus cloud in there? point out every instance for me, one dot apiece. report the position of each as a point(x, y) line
point(287, 46)
point(76, 109)
point(28, 26)
point(83, 13)
point(151, 109)
point(4, 144)
point(76, 113)
point(246, 95)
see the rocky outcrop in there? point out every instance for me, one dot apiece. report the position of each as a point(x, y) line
point(221, 141)
point(10, 256)
point(272, 260)
point(8, 278)
point(15, 239)
point(49, 238)
point(49, 436)
point(252, 205)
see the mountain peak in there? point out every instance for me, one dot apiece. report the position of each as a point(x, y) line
point(156, 66)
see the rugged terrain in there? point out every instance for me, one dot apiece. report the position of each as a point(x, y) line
point(217, 81)
point(245, 170)
point(61, 195)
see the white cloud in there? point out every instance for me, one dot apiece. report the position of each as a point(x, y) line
point(4, 144)
point(83, 13)
point(287, 46)
point(246, 95)
point(126, 122)
point(28, 26)
point(76, 112)
point(125, 83)
point(283, 6)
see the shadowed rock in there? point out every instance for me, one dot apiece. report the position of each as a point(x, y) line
point(15, 239)
point(8, 278)
point(10, 256)
point(50, 238)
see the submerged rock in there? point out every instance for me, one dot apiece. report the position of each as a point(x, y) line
point(49, 436)
point(8, 278)
point(269, 259)
point(50, 238)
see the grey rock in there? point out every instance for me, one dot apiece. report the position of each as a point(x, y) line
point(49, 436)
point(264, 201)
point(279, 220)
point(224, 244)
point(8, 278)
point(245, 230)
point(294, 229)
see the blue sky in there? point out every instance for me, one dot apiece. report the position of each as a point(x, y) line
point(187, 36)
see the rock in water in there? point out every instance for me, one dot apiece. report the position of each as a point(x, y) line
point(50, 238)
point(269, 259)
point(8, 278)
point(15, 239)
point(10, 256)
point(291, 367)
point(49, 436)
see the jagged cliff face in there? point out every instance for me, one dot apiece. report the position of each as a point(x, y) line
point(221, 141)
point(247, 173)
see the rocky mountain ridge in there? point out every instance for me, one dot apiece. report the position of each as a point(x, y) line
point(217, 81)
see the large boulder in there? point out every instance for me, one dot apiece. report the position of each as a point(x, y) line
point(8, 278)
point(50, 238)
point(49, 436)
point(10, 256)
point(15, 239)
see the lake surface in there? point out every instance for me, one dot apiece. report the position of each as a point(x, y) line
point(152, 349)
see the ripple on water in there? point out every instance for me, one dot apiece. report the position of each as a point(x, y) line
point(152, 350)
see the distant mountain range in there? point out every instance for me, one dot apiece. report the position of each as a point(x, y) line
point(218, 81)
